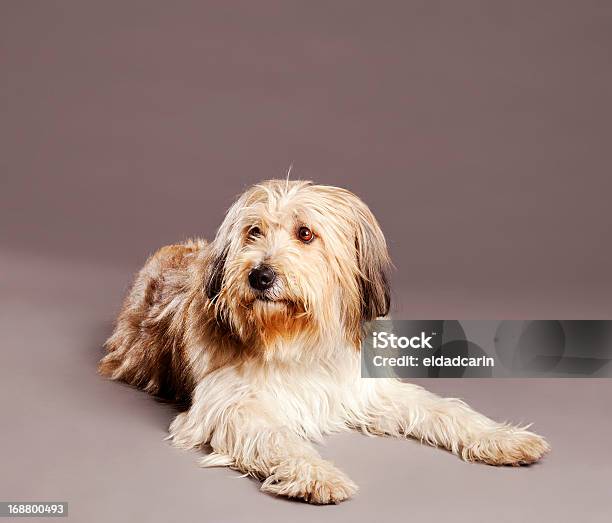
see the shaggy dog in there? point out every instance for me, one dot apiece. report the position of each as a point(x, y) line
point(260, 333)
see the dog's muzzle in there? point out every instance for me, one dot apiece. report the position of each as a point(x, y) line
point(262, 278)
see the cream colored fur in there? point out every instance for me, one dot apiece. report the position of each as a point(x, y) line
point(269, 372)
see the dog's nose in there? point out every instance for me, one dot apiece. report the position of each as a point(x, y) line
point(262, 277)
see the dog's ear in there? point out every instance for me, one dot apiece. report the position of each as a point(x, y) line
point(215, 273)
point(219, 249)
point(373, 264)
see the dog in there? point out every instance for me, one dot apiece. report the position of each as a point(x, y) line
point(259, 333)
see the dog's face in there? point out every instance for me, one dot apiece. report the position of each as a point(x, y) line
point(296, 259)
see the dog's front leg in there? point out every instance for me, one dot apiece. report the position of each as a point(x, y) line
point(247, 436)
point(398, 408)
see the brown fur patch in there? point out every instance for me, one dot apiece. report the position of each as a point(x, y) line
point(147, 348)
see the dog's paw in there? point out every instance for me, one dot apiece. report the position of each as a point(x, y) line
point(315, 481)
point(183, 433)
point(507, 446)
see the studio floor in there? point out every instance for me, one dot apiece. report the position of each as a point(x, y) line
point(68, 435)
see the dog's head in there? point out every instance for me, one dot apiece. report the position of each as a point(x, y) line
point(295, 259)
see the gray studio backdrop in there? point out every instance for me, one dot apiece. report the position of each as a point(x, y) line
point(478, 132)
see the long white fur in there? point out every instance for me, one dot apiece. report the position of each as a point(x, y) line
point(260, 418)
point(261, 408)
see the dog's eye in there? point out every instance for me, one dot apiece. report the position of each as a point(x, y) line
point(305, 234)
point(254, 232)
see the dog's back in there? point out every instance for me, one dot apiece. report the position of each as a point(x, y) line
point(146, 348)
